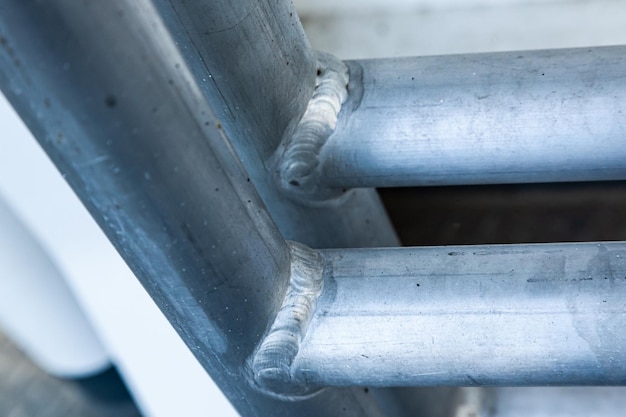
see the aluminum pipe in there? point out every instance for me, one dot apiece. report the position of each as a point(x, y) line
point(470, 315)
point(540, 116)
point(258, 70)
point(123, 118)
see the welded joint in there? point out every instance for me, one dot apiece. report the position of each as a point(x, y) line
point(272, 362)
point(298, 156)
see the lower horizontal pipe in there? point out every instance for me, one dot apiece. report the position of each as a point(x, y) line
point(477, 315)
point(514, 117)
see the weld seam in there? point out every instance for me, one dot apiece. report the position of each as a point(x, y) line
point(272, 362)
point(298, 166)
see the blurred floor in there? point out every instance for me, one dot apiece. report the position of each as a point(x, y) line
point(26, 391)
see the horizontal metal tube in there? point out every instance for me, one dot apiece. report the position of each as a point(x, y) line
point(540, 116)
point(470, 315)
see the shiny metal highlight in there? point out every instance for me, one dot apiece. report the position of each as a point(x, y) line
point(298, 165)
point(504, 315)
point(272, 362)
point(513, 117)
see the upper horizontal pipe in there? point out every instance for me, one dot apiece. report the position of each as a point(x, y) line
point(539, 116)
point(474, 315)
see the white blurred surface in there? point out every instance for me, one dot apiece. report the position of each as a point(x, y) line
point(334, 7)
point(38, 310)
point(163, 375)
point(375, 29)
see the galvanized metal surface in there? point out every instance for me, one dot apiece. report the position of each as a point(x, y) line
point(254, 65)
point(538, 116)
point(548, 314)
point(298, 157)
point(162, 172)
point(271, 363)
point(126, 122)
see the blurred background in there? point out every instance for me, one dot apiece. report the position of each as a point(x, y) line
point(116, 338)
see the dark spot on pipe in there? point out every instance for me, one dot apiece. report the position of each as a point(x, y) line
point(294, 183)
point(110, 101)
point(473, 380)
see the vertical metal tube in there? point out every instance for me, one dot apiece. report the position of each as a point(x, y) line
point(103, 87)
point(258, 71)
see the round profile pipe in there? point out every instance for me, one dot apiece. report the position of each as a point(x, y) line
point(514, 117)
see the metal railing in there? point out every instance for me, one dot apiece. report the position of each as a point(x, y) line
point(203, 134)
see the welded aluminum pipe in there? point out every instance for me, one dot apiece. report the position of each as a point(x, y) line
point(257, 67)
point(540, 116)
point(121, 115)
point(469, 315)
